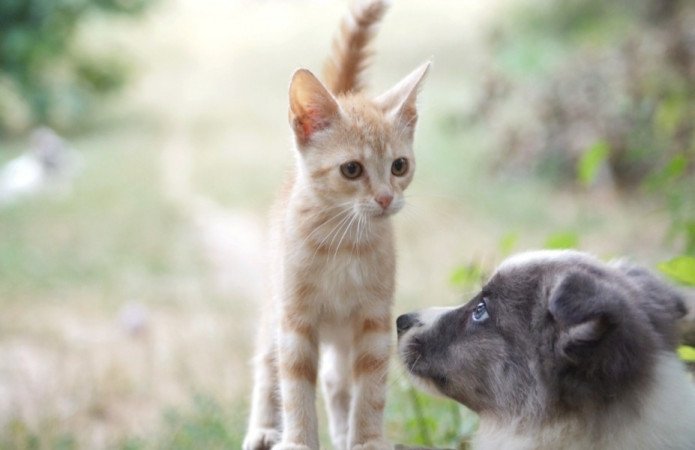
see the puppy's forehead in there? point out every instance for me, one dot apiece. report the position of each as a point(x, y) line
point(544, 260)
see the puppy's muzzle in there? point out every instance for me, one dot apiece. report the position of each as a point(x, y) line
point(406, 322)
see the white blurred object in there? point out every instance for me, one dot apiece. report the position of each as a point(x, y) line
point(134, 318)
point(50, 162)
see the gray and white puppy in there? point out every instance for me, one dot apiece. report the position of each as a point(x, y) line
point(560, 351)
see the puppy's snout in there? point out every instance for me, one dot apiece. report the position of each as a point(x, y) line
point(405, 322)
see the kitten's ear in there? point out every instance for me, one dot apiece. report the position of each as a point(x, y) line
point(583, 308)
point(399, 102)
point(312, 107)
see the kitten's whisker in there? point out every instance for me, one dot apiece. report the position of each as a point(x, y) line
point(345, 223)
point(320, 226)
point(357, 234)
point(363, 228)
point(400, 375)
point(336, 229)
point(354, 217)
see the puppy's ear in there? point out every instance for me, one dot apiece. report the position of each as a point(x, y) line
point(602, 343)
point(663, 304)
point(581, 306)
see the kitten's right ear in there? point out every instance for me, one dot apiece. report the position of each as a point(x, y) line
point(312, 107)
point(399, 102)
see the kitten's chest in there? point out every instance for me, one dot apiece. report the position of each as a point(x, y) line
point(353, 283)
point(340, 283)
point(344, 274)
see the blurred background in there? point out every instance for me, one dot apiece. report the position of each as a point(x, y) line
point(142, 141)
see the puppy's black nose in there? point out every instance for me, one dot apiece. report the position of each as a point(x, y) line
point(405, 322)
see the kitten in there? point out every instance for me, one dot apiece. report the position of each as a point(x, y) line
point(334, 263)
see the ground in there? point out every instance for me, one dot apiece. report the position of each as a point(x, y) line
point(129, 305)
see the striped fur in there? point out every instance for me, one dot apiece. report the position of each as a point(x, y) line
point(333, 262)
point(342, 71)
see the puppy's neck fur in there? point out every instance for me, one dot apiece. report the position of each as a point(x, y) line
point(665, 418)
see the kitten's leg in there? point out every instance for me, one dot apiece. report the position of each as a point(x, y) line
point(298, 364)
point(265, 421)
point(372, 349)
point(335, 377)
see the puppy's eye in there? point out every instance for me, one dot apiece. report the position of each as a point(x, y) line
point(480, 312)
point(351, 170)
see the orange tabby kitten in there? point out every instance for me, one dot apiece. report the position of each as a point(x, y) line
point(334, 262)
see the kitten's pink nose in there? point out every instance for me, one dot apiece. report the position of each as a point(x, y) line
point(384, 200)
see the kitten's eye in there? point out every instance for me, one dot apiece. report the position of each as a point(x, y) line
point(351, 170)
point(399, 167)
point(480, 312)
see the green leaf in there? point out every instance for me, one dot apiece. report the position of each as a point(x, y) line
point(670, 113)
point(686, 353)
point(672, 171)
point(681, 269)
point(466, 276)
point(508, 243)
point(562, 240)
point(590, 162)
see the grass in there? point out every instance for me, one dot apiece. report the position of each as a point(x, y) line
point(206, 120)
point(116, 223)
point(204, 424)
point(419, 419)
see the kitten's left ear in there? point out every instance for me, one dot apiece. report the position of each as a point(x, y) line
point(399, 102)
point(312, 107)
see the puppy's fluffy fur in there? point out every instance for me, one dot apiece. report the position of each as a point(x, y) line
point(560, 351)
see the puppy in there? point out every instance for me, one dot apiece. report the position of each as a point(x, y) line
point(560, 351)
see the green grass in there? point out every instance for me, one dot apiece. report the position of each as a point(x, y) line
point(206, 424)
point(415, 418)
point(115, 227)
point(17, 435)
point(411, 417)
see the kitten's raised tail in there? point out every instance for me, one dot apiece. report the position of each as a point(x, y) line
point(351, 46)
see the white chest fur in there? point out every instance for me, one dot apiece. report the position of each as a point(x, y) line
point(667, 421)
point(342, 281)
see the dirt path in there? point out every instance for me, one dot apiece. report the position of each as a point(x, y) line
point(233, 241)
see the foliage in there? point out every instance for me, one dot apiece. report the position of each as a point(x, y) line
point(419, 419)
point(686, 353)
point(591, 161)
point(562, 240)
point(466, 275)
point(508, 243)
point(599, 93)
point(17, 435)
point(42, 70)
point(681, 269)
point(205, 424)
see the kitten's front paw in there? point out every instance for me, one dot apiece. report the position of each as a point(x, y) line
point(376, 444)
point(261, 439)
point(291, 446)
